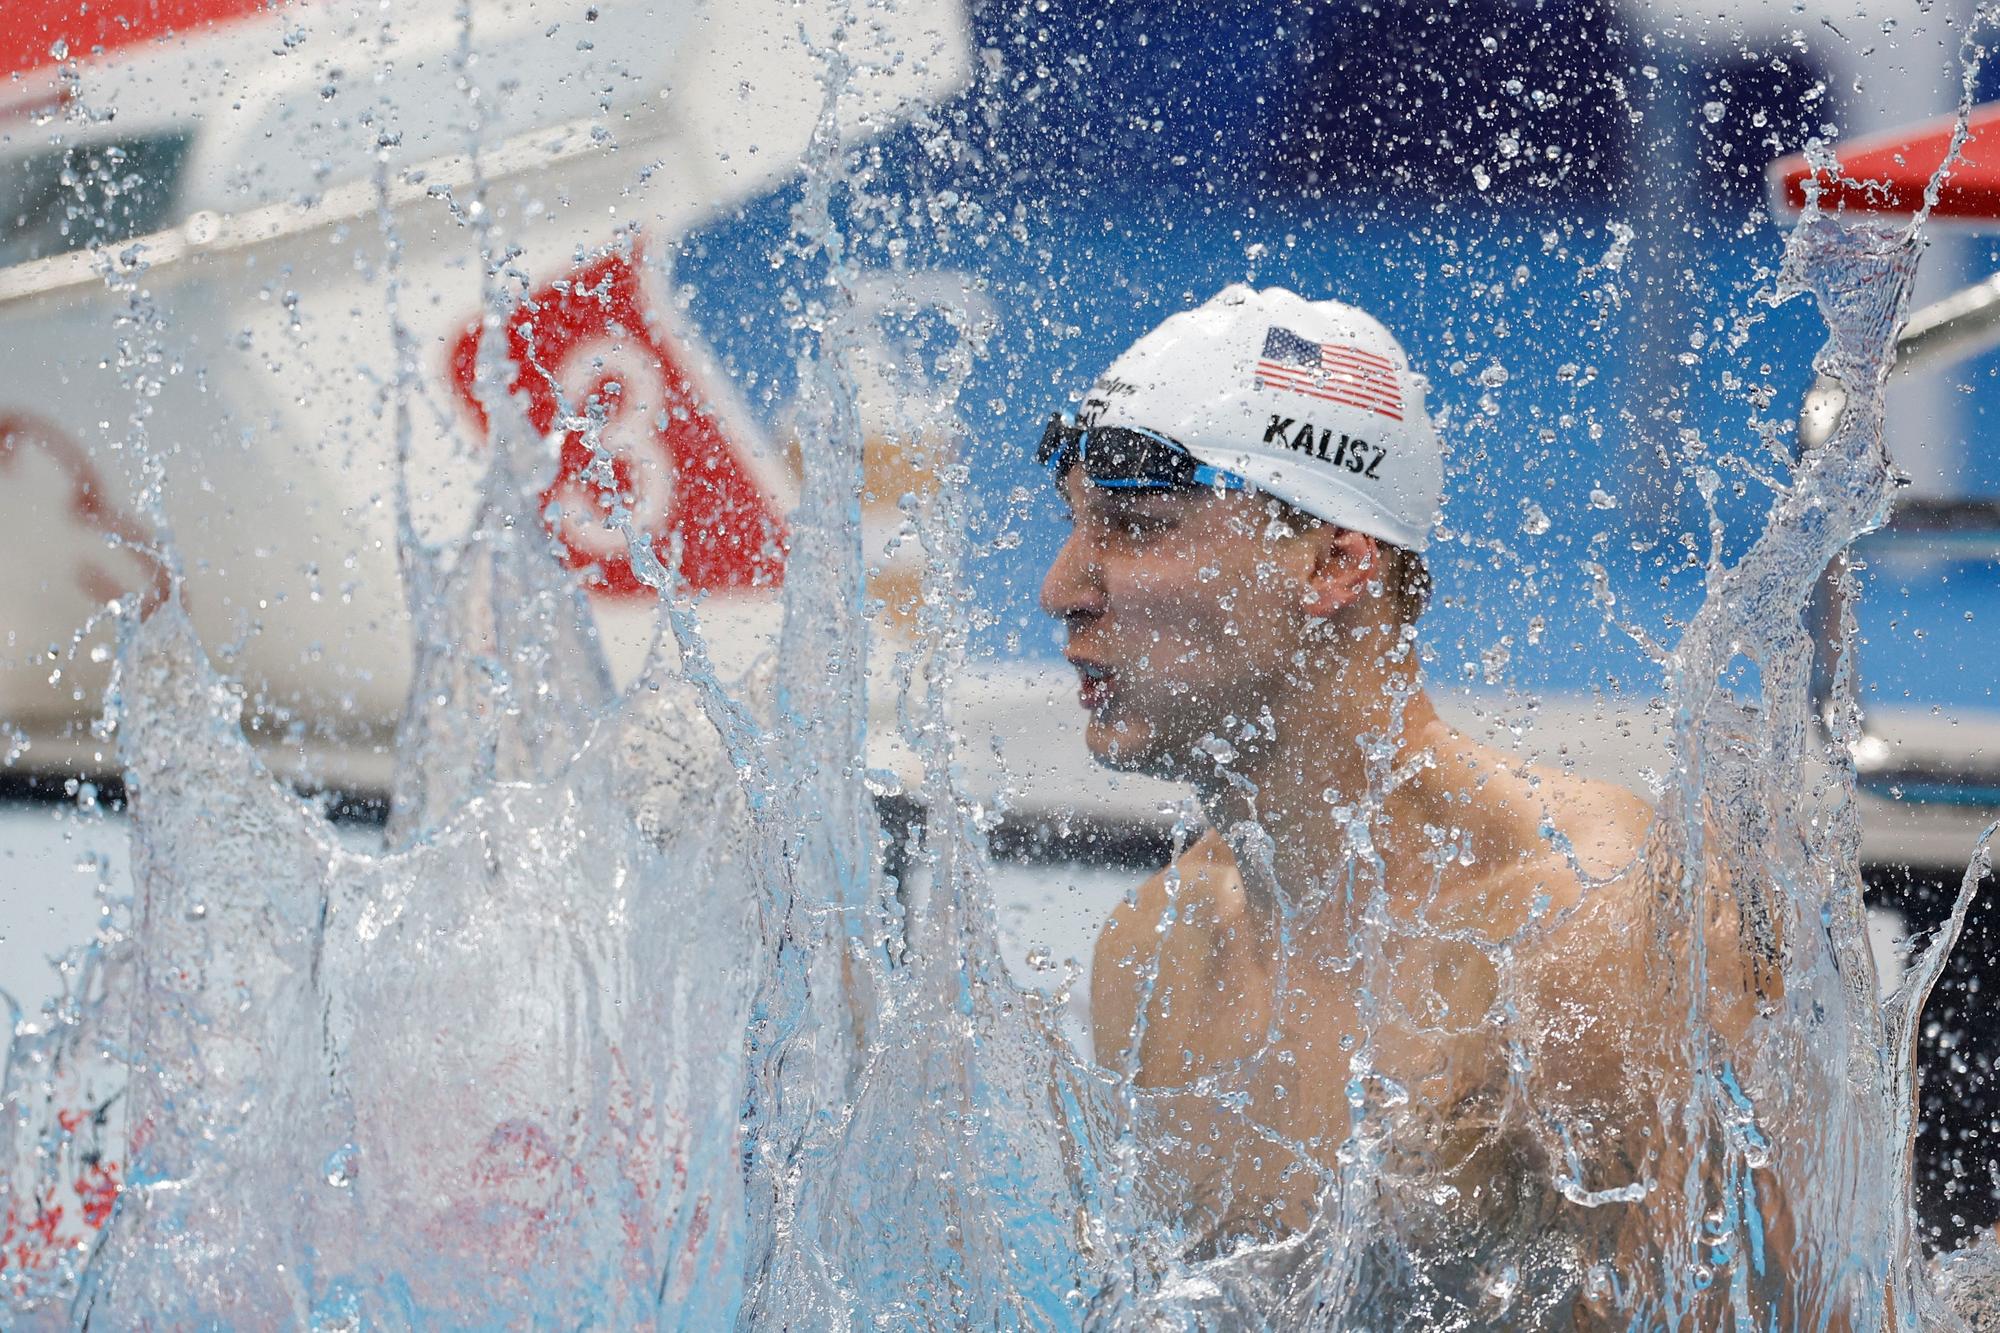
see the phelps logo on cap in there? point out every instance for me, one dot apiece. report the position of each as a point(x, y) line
point(1313, 402)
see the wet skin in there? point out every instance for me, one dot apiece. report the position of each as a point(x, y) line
point(1179, 611)
point(1235, 974)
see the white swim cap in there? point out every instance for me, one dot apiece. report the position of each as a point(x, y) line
point(1313, 402)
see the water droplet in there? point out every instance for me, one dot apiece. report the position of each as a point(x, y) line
point(1216, 748)
point(342, 1165)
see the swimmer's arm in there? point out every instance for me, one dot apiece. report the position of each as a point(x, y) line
point(1742, 980)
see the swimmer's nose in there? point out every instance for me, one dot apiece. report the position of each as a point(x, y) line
point(1072, 590)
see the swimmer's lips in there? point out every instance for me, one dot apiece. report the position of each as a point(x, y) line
point(1095, 684)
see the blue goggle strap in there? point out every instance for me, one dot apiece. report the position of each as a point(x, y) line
point(1204, 475)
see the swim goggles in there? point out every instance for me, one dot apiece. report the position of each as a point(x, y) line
point(1128, 458)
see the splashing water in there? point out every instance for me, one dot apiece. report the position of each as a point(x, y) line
point(627, 1027)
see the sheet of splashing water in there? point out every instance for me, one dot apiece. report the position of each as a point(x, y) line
point(627, 1030)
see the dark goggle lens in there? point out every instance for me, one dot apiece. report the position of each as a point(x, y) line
point(1118, 456)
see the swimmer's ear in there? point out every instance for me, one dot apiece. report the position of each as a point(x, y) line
point(1344, 563)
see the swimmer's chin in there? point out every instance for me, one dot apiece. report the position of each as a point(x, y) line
point(1125, 748)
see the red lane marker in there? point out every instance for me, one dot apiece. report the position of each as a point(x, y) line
point(671, 464)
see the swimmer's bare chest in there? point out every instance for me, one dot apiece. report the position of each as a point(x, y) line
point(1250, 1051)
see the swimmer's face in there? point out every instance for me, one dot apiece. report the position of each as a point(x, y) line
point(1183, 608)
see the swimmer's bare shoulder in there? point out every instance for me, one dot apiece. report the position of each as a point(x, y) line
point(1603, 975)
point(1132, 945)
point(1589, 974)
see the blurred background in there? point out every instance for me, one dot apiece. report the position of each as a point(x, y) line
point(246, 252)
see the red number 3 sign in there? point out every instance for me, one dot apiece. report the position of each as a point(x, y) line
point(583, 347)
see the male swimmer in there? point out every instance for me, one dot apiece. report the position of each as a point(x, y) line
point(1250, 488)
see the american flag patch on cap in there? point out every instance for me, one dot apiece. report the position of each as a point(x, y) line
point(1332, 372)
